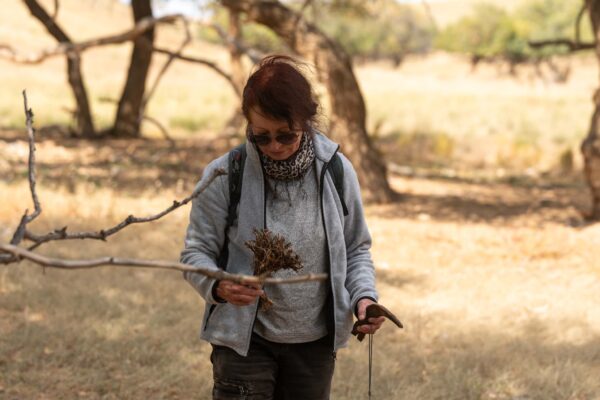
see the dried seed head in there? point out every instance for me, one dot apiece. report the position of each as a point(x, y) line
point(271, 253)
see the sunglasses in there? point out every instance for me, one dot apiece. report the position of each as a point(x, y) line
point(264, 140)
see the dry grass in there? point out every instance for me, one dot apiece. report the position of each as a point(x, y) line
point(478, 119)
point(497, 286)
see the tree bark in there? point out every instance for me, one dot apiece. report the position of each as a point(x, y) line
point(334, 71)
point(128, 118)
point(85, 124)
point(590, 147)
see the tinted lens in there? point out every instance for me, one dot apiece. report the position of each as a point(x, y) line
point(261, 140)
point(284, 138)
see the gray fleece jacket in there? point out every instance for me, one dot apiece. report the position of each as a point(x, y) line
point(351, 276)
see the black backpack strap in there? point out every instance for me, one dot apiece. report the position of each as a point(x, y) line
point(336, 169)
point(237, 159)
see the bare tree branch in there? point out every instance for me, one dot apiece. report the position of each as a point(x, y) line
point(10, 253)
point(155, 264)
point(21, 229)
point(573, 46)
point(196, 60)
point(254, 54)
point(61, 234)
point(31, 138)
point(7, 52)
point(187, 39)
point(160, 127)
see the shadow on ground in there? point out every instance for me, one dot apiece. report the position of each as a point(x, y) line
point(137, 165)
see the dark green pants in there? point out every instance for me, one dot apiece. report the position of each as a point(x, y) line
point(274, 371)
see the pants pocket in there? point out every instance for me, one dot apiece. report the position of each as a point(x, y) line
point(228, 389)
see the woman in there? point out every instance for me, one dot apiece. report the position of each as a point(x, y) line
point(288, 351)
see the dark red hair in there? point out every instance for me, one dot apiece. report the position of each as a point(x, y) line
point(278, 89)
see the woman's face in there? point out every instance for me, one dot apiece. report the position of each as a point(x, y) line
point(261, 125)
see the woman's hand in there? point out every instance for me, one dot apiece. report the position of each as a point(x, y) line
point(374, 323)
point(236, 294)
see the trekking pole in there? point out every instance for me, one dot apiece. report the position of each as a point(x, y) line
point(373, 311)
point(370, 362)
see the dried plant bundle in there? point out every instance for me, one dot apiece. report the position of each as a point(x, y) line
point(272, 252)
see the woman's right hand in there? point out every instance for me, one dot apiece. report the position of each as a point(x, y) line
point(236, 294)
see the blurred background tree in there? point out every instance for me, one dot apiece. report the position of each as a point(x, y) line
point(491, 33)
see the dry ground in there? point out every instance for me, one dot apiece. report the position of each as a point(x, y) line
point(497, 284)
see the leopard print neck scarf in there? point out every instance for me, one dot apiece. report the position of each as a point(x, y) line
point(294, 167)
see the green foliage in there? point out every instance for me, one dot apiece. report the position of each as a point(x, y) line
point(477, 33)
point(386, 29)
point(262, 38)
point(492, 32)
point(382, 29)
point(254, 35)
point(369, 30)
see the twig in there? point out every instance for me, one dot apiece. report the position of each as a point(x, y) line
point(140, 28)
point(161, 127)
point(254, 55)
point(187, 39)
point(21, 229)
point(156, 264)
point(31, 138)
point(61, 234)
point(573, 46)
point(196, 60)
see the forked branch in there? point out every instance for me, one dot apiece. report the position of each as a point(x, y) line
point(12, 253)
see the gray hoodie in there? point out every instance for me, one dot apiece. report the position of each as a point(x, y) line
point(352, 275)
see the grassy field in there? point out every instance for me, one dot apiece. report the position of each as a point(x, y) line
point(497, 286)
point(485, 258)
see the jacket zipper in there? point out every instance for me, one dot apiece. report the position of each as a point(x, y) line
point(264, 227)
point(321, 188)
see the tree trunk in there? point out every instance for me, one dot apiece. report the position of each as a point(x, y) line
point(334, 71)
point(85, 124)
point(128, 119)
point(590, 147)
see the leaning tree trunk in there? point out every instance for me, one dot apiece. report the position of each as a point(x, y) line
point(128, 119)
point(85, 124)
point(591, 145)
point(334, 71)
